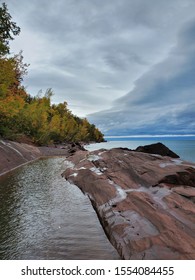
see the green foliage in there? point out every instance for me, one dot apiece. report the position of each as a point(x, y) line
point(35, 117)
point(8, 29)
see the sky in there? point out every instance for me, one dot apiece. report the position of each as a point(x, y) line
point(128, 65)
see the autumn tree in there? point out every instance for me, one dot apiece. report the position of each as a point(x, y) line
point(12, 93)
point(35, 117)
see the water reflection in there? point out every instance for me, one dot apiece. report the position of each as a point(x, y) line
point(44, 217)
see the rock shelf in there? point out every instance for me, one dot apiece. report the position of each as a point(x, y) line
point(145, 202)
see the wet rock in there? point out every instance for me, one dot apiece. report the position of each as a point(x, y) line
point(157, 148)
point(145, 202)
point(73, 147)
point(14, 154)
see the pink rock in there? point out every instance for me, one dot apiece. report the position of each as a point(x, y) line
point(145, 202)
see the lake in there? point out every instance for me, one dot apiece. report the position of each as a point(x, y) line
point(184, 147)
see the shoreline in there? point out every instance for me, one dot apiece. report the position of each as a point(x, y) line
point(144, 202)
point(14, 154)
point(45, 152)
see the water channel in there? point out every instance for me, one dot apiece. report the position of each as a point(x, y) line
point(44, 217)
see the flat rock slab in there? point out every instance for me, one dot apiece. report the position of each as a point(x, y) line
point(145, 202)
point(14, 154)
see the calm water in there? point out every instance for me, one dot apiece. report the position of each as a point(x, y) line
point(44, 217)
point(185, 148)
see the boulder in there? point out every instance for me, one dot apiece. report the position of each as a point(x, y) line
point(75, 147)
point(157, 148)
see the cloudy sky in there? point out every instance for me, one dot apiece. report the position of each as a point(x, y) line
point(128, 65)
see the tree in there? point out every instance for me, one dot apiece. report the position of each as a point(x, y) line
point(12, 71)
point(8, 29)
point(35, 117)
point(7, 76)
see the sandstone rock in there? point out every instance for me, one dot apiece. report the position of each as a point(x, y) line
point(144, 202)
point(14, 154)
point(75, 147)
point(157, 148)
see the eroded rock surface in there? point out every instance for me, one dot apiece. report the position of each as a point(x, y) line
point(13, 154)
point(145, 202)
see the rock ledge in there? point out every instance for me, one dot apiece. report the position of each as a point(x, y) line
point(145, 202)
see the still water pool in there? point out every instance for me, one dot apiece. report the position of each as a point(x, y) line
point(44, 217)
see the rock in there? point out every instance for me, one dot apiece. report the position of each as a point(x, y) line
point(186, 177)
point(157, 148)
point(75, 147)
point(14, 154)
point(145, 202)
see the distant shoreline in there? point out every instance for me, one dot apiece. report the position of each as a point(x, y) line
point(148, 137)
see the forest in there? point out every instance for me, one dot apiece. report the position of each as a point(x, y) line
point(35, 117)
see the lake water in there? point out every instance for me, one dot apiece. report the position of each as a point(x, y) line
point(185, 148)
point(44, 217)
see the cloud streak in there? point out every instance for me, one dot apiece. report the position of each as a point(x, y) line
point(126, 64)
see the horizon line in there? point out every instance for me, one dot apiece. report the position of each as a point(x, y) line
point(148, 135)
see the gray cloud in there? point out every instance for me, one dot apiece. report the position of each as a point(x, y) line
point(130, 60)
point(163, 98)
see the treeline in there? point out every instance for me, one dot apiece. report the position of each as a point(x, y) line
point(35, 117)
